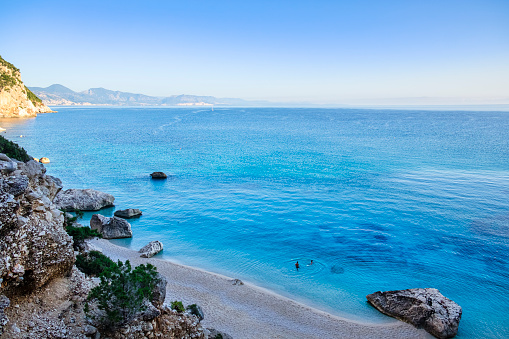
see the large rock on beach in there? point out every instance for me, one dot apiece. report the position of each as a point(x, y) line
point(158, 175)
point(111, 228)
point(128, 213)
point(83, 200)
point(424, 308)
point(151, 249)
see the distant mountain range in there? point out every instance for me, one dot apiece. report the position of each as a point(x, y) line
point(60, 95)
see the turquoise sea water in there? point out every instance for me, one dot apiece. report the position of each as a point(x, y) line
point(379, 199)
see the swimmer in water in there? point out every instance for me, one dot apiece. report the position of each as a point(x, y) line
point(311, 263)
point(297, 265)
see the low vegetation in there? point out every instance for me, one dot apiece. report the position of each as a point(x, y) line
point(13, 150)
point(32, 97)
point(7, 80)
point(178, 306)
point(81, 233)
point(93, 263)
point(122, 294)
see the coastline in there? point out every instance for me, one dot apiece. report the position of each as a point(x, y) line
point(248, 311)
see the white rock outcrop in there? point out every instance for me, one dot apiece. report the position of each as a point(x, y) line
point(83, 200)
point(151, 249)
point(424, 308)
point(111, 228)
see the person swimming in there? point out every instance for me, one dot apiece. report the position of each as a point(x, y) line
point(311, 263)
point(297, 266)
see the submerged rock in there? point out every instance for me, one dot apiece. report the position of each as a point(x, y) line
point(111, 228)
point(158, 175)
point(424, 308)
point(83, 200)
point(151, 249)
point(128, 213)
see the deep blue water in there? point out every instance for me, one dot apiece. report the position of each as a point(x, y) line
point(379, 199)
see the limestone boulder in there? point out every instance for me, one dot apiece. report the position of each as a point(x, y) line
point(83, 200)
point(159, 291)
point(424, 308)
point(128, 213)
point(151, 249)
point(158, 175)
point(111, 228)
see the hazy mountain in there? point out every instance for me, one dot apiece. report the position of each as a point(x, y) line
point(61, 95)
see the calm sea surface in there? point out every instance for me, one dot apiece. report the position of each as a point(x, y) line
point(379, 199)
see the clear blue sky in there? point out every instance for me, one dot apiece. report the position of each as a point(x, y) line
point(321, 51)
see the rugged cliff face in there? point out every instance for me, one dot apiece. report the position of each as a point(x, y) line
point(16, 100)
point(42, 294)
point(34, 247)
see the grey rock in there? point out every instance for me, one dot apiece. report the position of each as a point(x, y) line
point(4, 303)
point(53, 187)
point(150, 312)
point(17, 185)
point(4, 157)
point(196, 310)
point(158, 175)
point(236, 282)
point(89, 330)
point(111, 228)
point(151, 249)
point(128, 213)
point(424, 308)
point(34, 169)
point(159, 291)
point(214, 333)
point(8, 166)
point(83, 200)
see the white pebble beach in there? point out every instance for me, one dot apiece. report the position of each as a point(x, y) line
point(247, 311)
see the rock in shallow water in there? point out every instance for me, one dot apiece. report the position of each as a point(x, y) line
point(424, 308)
point(111, 228)
point(83, 200)
point(158, 175)
point(151, 249)
point(128, 213)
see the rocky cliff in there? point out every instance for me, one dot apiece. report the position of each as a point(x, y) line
point(16, 100)
point(42, 293)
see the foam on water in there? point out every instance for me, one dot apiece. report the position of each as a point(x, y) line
point(379, 200)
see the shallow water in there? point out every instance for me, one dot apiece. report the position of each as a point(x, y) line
point(380, 200)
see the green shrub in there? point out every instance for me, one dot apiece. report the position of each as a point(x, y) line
point(93, 263)
point(13, 150)
point(178, 306)
point(80, 234)
point(32, 97)
point(122, 293)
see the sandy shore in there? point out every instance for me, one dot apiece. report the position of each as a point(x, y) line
point(248, 311)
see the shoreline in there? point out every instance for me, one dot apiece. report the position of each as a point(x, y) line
point(249, 311)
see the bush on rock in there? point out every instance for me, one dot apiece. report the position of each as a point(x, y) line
point(122, 294)
point(93, 263)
